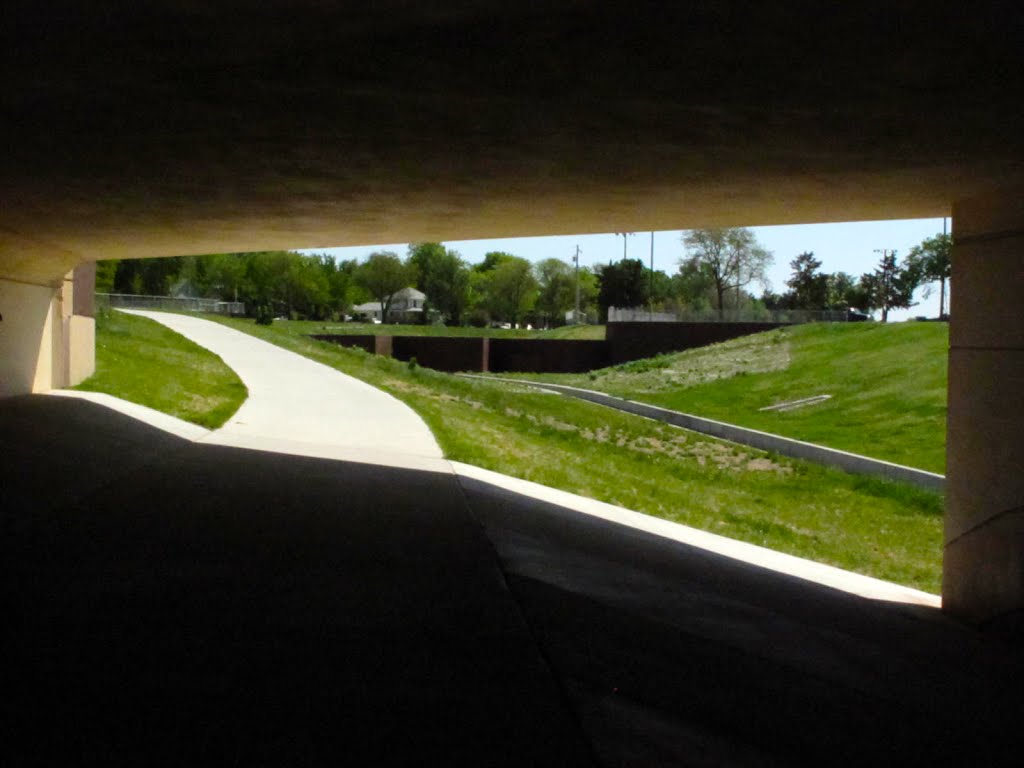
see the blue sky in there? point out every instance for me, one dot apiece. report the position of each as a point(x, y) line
point(846, 247)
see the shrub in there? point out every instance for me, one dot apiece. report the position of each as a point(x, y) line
point(264, 314)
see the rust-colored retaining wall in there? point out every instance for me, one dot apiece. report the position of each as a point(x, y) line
point(624, 342)
point(635, 341)
point(547, 355)
point(442, 353)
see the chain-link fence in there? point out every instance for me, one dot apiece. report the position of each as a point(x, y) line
point(169, 303)
point(640, 315)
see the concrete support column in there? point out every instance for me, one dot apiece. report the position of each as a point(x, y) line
point(983, 570)
point(47, 335)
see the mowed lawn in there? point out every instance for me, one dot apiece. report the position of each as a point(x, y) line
point(887, 384)
point(140, 360)
point(887, 530)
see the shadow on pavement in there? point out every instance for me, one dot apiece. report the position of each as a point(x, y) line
point(175, 603)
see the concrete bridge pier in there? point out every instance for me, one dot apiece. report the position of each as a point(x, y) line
point(47, 332)
point(983, 567)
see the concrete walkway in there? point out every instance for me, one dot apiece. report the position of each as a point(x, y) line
point(301, 407)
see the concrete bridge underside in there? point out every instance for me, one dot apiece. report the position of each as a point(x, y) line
point(172, 127)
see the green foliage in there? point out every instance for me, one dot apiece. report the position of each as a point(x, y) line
point(842, 292)
point(730, 259)
point(106, 271)
point(931, 261)
point(556, 289)
point(291, 283)
point(808, 286)
point(382, 275)
point(444, 277)
point(264, 314)
point(623, 284)
point(509, 289)
point(692, 285)
point(149, 277)
point(890, 286)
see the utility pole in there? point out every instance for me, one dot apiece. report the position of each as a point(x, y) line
point(650, 298)
point(942, 290)
point(576, 313)
point(624, 236)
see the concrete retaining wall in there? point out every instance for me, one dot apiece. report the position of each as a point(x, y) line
point(624, 342)
point(784, 446)
point(547, 355)
point(442, 353)
point(458, 353)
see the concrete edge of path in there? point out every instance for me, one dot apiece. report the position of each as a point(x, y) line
point(826, 575)
point(153, 418)
point(382, 458)
point(765, 441)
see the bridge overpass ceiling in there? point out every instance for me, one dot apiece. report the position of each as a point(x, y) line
point(179, 127)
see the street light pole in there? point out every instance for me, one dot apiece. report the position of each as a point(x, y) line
point(624, 236)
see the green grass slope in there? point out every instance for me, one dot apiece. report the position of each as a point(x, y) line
point(887, 385)
point(144, 362)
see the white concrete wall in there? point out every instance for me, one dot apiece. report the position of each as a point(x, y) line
point(43, 345)
point(983, 568)
point(81, 346)
point(27, 337)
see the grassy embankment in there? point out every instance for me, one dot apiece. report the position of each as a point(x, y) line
point(882, 529)
point(140, 360)
point(887, 382)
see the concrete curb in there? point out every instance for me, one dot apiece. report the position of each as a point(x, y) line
point(784, 446)
point(780, 562)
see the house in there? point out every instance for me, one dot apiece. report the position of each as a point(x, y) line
point(406, 307)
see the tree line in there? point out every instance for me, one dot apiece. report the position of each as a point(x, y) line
point(717, 272)
point(891, 285)
point(502, 288)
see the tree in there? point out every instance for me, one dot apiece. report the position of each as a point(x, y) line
point(692, 285)
point(889, 286)
point(382, 275)
point(148, 277)
point(492, 259)
point(931, 261)
point(341, 284)
point(842, 292)
point(510, 289)
point(808, 287)
point(105, 273)
point(730, 257)
point(557, 288)
point(443, 276)
point(623, 284)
